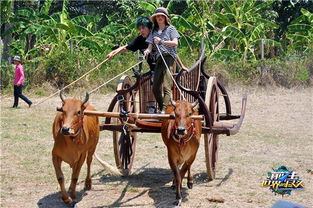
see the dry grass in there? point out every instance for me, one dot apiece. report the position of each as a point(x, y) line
point(277, 131)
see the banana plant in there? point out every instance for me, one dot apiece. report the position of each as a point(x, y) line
point(244, 28)
point(300, 32)
point(56, 30)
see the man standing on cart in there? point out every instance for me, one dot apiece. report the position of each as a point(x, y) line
point(139, 43)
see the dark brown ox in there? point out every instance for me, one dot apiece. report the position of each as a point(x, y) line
point(75, 138)
point(182, 138)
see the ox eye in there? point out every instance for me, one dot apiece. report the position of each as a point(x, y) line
point(189, 114)
point(78, 112)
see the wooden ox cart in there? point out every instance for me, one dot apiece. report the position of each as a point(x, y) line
point(128, 113)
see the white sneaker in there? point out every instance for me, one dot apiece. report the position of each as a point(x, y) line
point(160, 112)
point(151, 110)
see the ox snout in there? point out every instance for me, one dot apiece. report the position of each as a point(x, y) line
point(65, 130)
point(181, 131)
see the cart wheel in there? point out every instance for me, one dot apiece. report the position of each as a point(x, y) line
point(124, 145)
point(211, 140)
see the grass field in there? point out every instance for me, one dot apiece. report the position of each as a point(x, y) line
point(277, 130)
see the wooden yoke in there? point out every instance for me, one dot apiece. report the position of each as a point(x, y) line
point(137, 115)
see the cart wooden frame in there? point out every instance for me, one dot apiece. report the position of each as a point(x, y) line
point(128, 116)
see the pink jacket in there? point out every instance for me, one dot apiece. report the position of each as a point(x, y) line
point(19, 75)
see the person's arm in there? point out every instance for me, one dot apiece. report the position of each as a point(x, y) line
point(148, 50)
point(181, 64)
point(171, 43)
point(119, 50)
point(21, 72)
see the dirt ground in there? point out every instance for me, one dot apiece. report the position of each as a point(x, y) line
point(277, 130)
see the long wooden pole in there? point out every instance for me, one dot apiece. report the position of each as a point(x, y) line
point(96, 67)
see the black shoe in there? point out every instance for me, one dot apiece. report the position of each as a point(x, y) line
point(14, 106)
point(30, 105)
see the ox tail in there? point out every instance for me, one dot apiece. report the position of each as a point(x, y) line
point(109, 168)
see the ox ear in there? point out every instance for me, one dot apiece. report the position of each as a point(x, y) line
point(195, 105)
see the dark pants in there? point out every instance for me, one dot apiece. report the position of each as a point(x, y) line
point(18, 93)
point(162, 77)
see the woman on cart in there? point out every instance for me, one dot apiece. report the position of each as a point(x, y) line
point(164, 37)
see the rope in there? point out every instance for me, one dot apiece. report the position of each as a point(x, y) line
point(72, 82)
point(92, 91)
point(182, 95)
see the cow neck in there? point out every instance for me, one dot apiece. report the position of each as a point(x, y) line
point(183, 141)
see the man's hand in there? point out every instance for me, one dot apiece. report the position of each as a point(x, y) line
point(110, 55)
point(157, 40)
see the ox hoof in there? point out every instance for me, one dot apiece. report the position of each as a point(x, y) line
point(67, 200)
point(87, 186)
point(190, 185)
point(178, 203)
point(73, 204)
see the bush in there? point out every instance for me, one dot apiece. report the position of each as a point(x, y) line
point(289, 71)
point(64, 66)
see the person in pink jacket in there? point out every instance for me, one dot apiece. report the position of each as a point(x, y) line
point(19, 82)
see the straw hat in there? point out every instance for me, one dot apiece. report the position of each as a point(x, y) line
point(160, 11)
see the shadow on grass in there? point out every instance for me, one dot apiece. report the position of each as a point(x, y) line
point(203, 177)
point(54, 200)
point(155, 179)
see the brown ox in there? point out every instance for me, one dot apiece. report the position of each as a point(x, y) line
point(182, 138)
point(75, 137)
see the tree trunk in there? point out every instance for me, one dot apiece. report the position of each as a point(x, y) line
point(6, 42)
point(30, 43)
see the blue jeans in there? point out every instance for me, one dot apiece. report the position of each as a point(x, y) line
point(18, 94)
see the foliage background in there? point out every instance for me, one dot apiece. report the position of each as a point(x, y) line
point(61, 40)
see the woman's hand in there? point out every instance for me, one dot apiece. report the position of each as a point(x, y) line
point(157, 40)
point(146, 52)
point(185, 68)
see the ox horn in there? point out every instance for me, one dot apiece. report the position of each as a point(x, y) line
point(86, 98)
point(194, 104)
point(62, 96)
point(173, 102)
